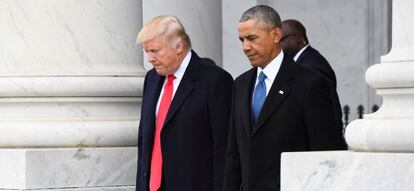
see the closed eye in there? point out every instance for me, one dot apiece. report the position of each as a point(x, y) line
point(154, 51)
point(248, 38)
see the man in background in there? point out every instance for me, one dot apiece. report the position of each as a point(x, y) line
point(295, 44)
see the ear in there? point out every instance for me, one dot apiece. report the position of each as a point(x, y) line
point(301, 40)
point(179, 47)
point(277, 34)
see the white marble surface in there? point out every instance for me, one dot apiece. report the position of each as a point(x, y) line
point(70, 73)
point(391, 127)
point(67, 37)
point(397, 67)
point(347, 170)
point(69, 121)
point(68, 168)
point(66, 86)
point(395, 74)
point(70, 76)
point(65, 108)
point(69, 112)
point(376, 134)
point(402, 33)
point(201, 20)
point(109, 188)
point(76, 132)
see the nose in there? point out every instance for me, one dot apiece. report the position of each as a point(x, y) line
point(246, 46)
point(151, 57)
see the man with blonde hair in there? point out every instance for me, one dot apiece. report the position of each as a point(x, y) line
point(184, 116)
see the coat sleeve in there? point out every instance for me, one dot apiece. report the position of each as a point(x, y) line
point(232, 170)
point(219, 113)
point(140, 139)
point(319, 119)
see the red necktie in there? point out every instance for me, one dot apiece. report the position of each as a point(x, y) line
point(156, 159)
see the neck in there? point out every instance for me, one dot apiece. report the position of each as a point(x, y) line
point(181, 56)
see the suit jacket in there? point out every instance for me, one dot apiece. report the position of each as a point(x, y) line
point(313, 60)
point(194, 135)
point(296, 116)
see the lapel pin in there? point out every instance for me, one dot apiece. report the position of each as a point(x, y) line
point(281, 92)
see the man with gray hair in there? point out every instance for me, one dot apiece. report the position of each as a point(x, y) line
point(184, 116)
point(278, 106)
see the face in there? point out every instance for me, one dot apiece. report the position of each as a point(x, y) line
point(290, 41)
point(260, 43)
point(162, 56)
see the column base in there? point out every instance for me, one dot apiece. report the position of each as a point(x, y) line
point(110, 168)
point(347, 170)
point(120, 188)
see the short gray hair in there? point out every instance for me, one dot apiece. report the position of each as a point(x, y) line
point(265, 15)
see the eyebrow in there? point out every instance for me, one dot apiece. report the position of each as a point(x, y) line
point(248, 36)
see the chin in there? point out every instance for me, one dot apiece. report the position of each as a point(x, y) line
point(259, 65)
point(254, 64)
point(162, 73)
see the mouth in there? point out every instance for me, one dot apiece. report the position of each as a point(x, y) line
point(251, 56)
point(155, 65)
point(160, 70)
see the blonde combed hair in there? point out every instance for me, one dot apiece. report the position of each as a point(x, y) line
point(167, 27)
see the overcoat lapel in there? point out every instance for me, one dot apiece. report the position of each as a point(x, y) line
point(246, 97)
point(154, 89)
point(279, 91)
point(185, 88)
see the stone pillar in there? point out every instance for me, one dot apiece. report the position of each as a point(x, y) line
point(201, 19)
point(71, 79)
point(234, 60)
point(383, 140)
point(391, 128)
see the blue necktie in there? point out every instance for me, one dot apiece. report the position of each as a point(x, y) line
point(259, 96)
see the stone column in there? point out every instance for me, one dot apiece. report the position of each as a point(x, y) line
point(391, 128)
point(383, 143)
point(201, 19)
point(71, 79)
point(234, 60)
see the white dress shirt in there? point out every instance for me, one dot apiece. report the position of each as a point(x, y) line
point(299, 53)
point(270, 71)
point(176, 82)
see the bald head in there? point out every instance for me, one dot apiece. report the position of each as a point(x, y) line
point(296, 26)
point(294, 36)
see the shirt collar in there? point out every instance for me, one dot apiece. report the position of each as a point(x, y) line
point(272, 68)
point(299, 53)
point(183, 66)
